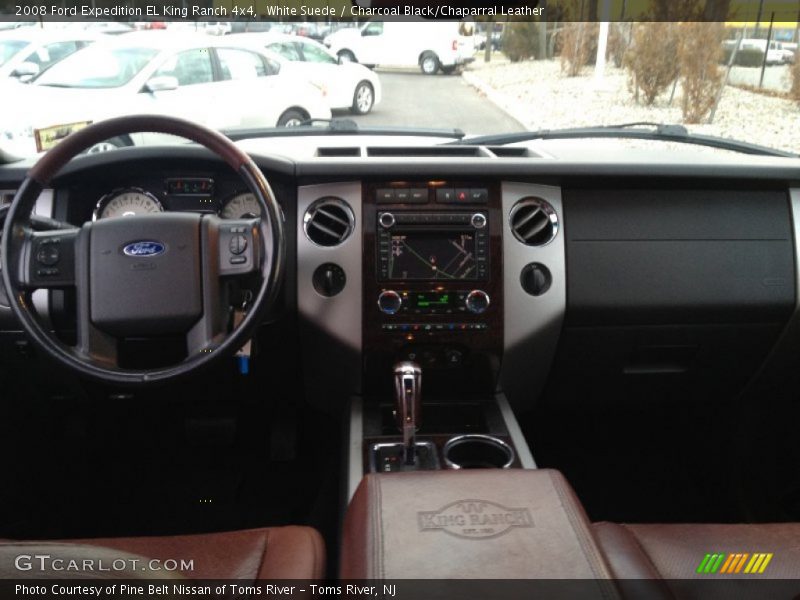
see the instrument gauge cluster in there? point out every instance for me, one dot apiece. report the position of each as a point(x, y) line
point(240, 206)
point(187, 194)
point(127, 202)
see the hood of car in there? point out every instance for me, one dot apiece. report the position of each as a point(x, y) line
point(44, 106)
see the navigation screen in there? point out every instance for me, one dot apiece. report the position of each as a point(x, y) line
point(434, 255)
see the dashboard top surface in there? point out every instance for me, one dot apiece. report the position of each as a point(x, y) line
point(556, 161)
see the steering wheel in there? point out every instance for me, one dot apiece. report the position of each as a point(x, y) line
point(149, 275)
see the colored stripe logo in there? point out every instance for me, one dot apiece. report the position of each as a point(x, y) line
point(736, 562)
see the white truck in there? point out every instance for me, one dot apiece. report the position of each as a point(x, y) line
point(777, 54)
point(433, 46)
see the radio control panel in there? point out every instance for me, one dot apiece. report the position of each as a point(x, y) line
point(432, 277)
point(433, 246)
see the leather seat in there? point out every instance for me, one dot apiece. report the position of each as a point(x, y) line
point(268, 553)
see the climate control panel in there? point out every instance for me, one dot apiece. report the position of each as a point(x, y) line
point(433, 302)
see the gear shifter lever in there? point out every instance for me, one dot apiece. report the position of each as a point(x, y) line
point(408, 407)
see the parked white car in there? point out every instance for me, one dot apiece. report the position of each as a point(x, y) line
point(430, 45)
point(216, 27)
point(194, 76)
point(345, 85)
point(27, 51)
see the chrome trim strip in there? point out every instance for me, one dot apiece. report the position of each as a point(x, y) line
point(355, 444)
point(44, 204)
point(515, 433)
point(41, 298)
point(794, 204)
point(532, 324)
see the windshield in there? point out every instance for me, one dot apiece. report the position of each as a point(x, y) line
point(8, 48)
point(98, 67)
point(480, 75)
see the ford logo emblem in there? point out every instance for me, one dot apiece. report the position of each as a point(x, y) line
point(144, 248)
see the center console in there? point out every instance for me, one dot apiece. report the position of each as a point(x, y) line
point(452, 288)
point(433, 327)
point(489, 525)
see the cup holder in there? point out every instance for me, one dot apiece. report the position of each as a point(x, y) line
point(477, 452)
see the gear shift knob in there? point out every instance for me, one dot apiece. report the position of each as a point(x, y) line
point(408, 405)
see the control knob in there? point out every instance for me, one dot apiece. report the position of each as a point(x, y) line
point(477, 301)
point(389, 302)
point(478, 221)
point(386, 220)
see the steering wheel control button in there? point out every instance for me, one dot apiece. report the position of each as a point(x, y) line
point(477, 301)
point(49, 253)
point(238, 244)
point(386, 220)
point(478, 220)
point(389, 302)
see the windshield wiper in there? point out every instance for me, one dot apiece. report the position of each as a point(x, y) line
point(338, 127)
point(642, 130)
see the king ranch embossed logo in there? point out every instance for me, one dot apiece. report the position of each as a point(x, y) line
point(474, 519)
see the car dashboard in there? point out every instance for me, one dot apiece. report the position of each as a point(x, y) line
point(548, 276)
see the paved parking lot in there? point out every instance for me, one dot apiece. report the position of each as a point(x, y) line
point(416, 100)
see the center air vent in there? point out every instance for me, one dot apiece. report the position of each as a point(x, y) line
point(533, 222)
point(328, 221)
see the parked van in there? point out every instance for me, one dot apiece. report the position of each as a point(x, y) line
point(430, 45)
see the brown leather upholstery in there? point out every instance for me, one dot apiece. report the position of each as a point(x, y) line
point(269, 553)
point(674, 552)
point(470, 524)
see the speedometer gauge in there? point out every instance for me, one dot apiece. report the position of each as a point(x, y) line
point(127, 203)
point(241, 206)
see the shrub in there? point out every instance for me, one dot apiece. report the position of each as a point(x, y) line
point(699, 53)
point(578, 46)
point(521, 40)
point(794, 91)
point(619, 39)
point(651, 59)
point(745, 57)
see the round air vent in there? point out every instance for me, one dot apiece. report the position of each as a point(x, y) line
point(533, 222)
point(328, 221)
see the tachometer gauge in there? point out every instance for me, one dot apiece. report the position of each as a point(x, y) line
point(127, 203)
point(241, 206)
